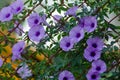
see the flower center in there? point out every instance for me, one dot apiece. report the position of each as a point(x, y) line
point(36, 21)
point(18, 8)
point(98, 68)
point(37, 34)
point(7, 15)
point(93, 76)
point(94, 45)
point(92, 54)
point(65, 78)
point(67, 44)
point(92, 25)
point(20, 49)
point(78, 35)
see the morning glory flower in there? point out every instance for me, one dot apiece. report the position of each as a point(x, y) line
point(76, 34)
point(66, 75)
point(34, 20)
point(72, 11)
point(91, 54)
point(91, 75)
point(24, 71)
point(99, 66)
point(66, 43)
point(6, 14)
point(36, 33)
point(88, 23)
point(17, 50)
point(96, 43)
point(1, 62)
point(17, 6)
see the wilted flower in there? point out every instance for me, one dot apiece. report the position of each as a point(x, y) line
point(88, 23)
point(96, 43)
point(57, 17)
point(91, 54)
point(99, 66)
point(6, 14)
point(76, 34)
point(17, 49)
point(66, 75)
point(34, 20)
point(66, 43)
point(72, 11)
point(17, 6)
point(36, 33)
point(18, 30)
point(1, 62)
point(24, 71)
point(91, 75)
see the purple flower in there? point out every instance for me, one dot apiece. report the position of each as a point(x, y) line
point(43, 20)
point(91, 75)
point(96, 43)
point(91, 54)
point(66, 43)
point(99, 66)
point(24, 72)
point(71, 11)
point(88, 23)
point(57, 17)
point(34, 20)
point(19, 29)
point(17, 49)
point(6, 14)
point(76, 34)
point(17, 6)
point(36, 33)
point(66, 75)
point(1, 62)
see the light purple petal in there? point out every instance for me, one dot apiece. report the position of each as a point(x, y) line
point(76, 34)
point(66, 75)
point(71, 11)
point(17, 6)
point(1, 62)
point(36, 33)
point(6, 14)
point(66, 43)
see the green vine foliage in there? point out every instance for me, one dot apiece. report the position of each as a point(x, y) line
point(56, 60)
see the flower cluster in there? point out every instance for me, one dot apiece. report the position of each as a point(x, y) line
point(36, 32)
point(6, 14)
point(93, 53)
point(86, 24)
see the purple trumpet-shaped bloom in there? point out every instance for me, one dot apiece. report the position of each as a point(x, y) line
point(76, 34)
point(92, 75)
point(24, 71)
point(17, 49)
point(66, 43)
point(88, 23)
point(96, 43)
point(66, 75)
point(1, 62)
point(91, 54)
point(6, 14)
point(99, 66)
point(36, 33)
point(43, 18)
point(72, 11)
point(34, 20)
point(57, 17)
point(17, 6)
point(19, 29)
